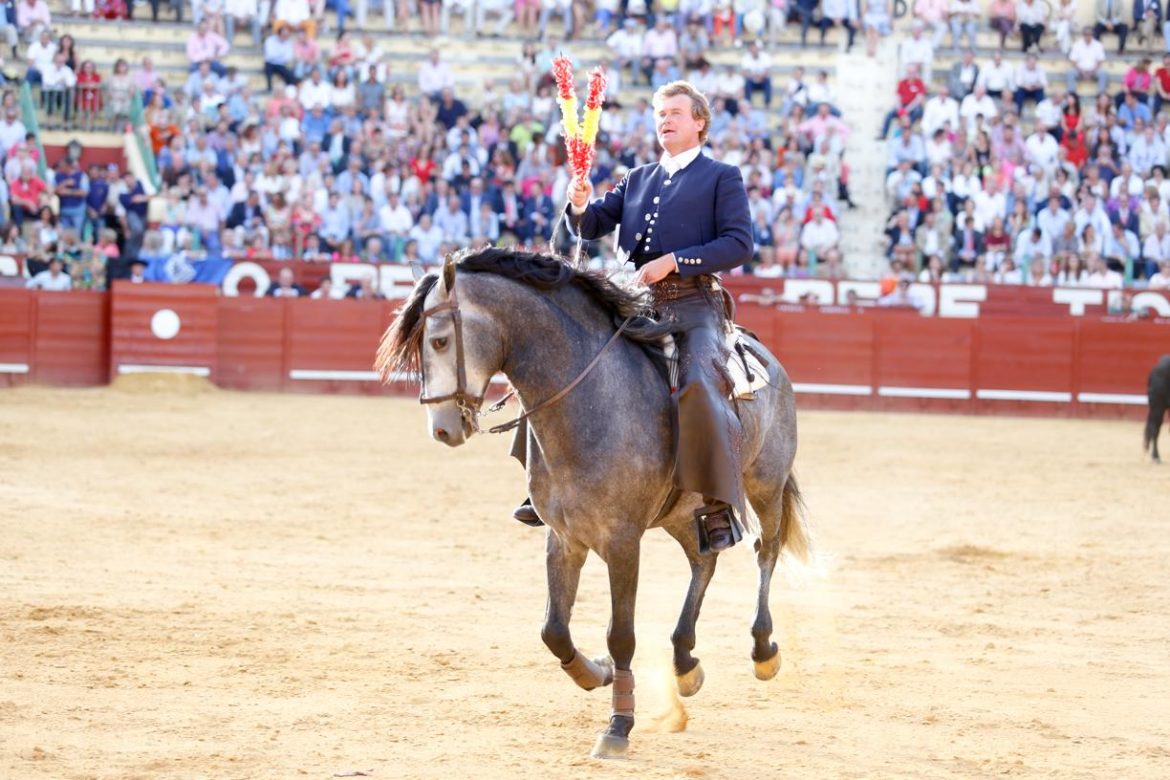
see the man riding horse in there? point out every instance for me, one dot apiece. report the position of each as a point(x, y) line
point(683, 219)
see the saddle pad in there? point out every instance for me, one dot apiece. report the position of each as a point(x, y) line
point(747, 372)
point(739, 367)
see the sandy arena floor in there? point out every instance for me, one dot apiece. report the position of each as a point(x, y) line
point(219, 585)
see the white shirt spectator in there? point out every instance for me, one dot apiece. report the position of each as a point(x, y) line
point(1133, 186)
point(989, 205)
point(1030, 78)
point(1087, 56)
point(1048, 112)
point(756, 67)
point(938, 111)
point(40, 55)
point(973, 106)
point(995, 78)
point(626, 43)
point(1032, 14)
point(11, 133)
point(1156, 249)
point(1104, 280)
point(314, 93)
point(1028, 249)
point(1147, 150)
point(820, 235)
point(1051, 223)
point(395, 220)
point(58, 77)
point(292, 12)
point(1160, 280)
point(434, 77)
point(918, 49)
point(1042, 149)
point(47, 280)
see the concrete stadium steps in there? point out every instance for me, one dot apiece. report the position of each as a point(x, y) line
point(869, 83)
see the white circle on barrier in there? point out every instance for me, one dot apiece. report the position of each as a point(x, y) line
point(165, 324)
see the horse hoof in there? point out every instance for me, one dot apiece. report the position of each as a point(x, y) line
point(766, 670)
point(690, 683)
point(611, 746)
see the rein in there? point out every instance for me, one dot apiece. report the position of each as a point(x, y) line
point(469, 404)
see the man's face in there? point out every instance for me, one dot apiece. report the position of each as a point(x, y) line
point(675, 123)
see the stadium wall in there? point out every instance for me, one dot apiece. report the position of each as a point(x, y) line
point(837, 357)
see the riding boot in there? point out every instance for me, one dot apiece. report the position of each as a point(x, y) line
point(716, 527)
point(526, 514)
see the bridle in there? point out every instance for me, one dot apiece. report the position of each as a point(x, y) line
point(469, 404)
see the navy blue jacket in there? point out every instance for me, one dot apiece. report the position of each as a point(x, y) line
point(701, 214)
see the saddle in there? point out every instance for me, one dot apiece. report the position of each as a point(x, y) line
point(747, 369)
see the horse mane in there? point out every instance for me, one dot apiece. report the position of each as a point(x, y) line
point(401, 347)
point(399, 350)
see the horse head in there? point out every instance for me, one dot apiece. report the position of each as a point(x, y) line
point(442, 335)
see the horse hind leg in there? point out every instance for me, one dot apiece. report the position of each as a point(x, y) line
point(781, 525)
point(687, 669)
point(564, 560)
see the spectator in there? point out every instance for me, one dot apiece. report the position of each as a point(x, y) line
point(32, 16)
point(244, 13)
point(963, 76)
point(1111, 19)
point(1031, 16)
point(843, 13)
point(876, 21)
point(918, 50)
point(940, 112)
point(1064, 23)
point(72, 187)
point(286, 286)
point(965, 18)
point(997, 77)
point(659, 42)
point(1002, 14)
point(1087, 56)
point(1030, 82)
point(434, 76)
point(756, 67)
point(298, 15)
point(205, 45)
point(933, 14)
point(279, 58)
point(53, 279)
point(911, 96)
point(39, 55)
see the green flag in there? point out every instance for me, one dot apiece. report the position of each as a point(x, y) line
point(28, 109)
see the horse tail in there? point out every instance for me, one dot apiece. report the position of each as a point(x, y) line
point(795, 537)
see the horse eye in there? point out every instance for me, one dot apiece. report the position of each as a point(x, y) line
point(440, 343)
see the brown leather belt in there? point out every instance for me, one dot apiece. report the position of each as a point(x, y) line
point(675, 287)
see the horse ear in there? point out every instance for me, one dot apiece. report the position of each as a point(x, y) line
point(448, 274)
point(417, 271)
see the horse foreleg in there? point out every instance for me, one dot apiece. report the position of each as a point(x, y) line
point(623, 589)
point(564, 559)
point(687, 669)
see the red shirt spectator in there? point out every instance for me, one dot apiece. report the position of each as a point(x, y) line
point(1074, 147)
point(26, 190)
point(910, 89)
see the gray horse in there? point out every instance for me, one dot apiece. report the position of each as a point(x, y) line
point(600, 456)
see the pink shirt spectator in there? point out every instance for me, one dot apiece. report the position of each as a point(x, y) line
point(660, 42)
point(206, 47)
point(32, 13)
point(1137, 81)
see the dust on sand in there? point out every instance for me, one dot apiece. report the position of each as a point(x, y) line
point(222, 585)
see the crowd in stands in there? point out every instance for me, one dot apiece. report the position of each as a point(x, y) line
point(1035, 171)
point(340, 160)
point(348, 154)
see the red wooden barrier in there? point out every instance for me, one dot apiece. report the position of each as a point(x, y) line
point(164, 326)
point(863, 358)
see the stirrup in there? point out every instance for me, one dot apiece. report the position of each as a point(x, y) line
point(723, 538)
